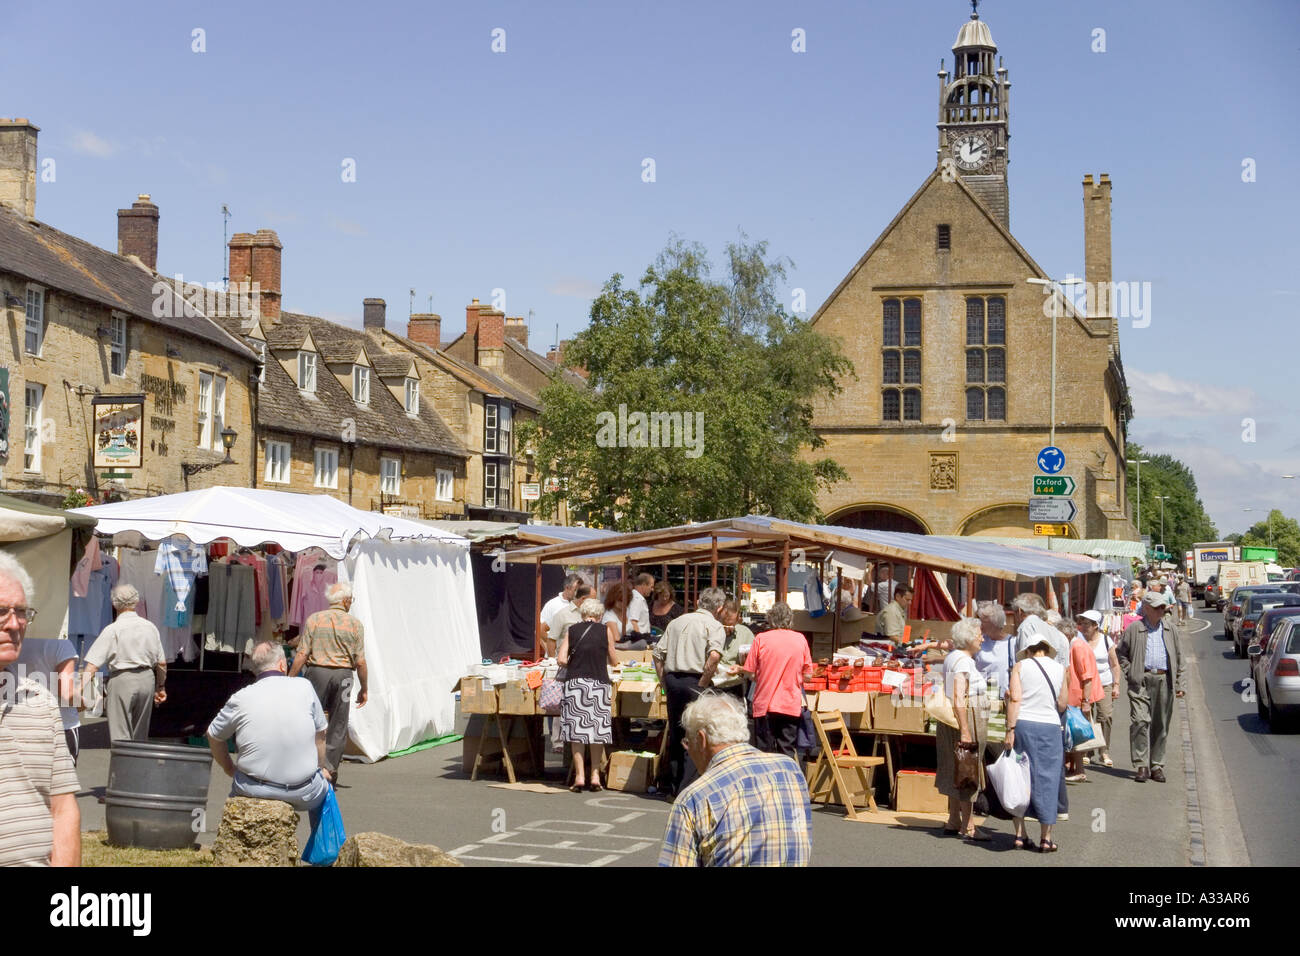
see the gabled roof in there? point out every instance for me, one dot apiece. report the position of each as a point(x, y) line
point(1068, 310)
point(383, 423)
point(479, 379)
point(394, 366)
point(66, 264)
point(542, 363)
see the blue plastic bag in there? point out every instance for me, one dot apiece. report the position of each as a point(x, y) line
point(327, 833)
point(1078, 725)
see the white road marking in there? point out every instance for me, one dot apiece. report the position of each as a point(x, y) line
point(594, 837)
point(628, 817)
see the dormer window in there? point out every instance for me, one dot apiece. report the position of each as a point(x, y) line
point(412, 396)
point(361, 385)
point(307, 371)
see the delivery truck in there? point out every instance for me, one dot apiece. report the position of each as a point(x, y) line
point(1206, 557)
point(1233, 574)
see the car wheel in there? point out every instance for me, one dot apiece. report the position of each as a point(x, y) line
point(1271, 718)
point(1236, 648)
point(1259, 704)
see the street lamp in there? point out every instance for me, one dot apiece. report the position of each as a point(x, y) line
point(1049, 287)
point(1162, 499)
point(1139, 462)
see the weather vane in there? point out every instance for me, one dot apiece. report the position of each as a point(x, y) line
point(974, 9)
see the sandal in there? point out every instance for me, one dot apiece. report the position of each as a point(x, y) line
point(977, 835)
point(595, 786)
point(1020, 843)
point(1047, 846)
point(577, 788)
point(951, 831)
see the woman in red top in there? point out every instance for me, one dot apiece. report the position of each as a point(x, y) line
point(1085, 690)
point(777, 659)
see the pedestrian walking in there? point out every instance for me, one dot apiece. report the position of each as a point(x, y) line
point(1085, 690)
point(778, 659)
point(1103, 649)
point(586, 709)
point(132, 650)
point(1151, 658)
point(330, 648)
point(1183, 592)
point(685, 659)
point(1034, 706)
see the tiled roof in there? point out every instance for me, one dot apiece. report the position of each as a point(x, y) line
point(64, 263)
point(383, 423)
point(542, 363)
point(390, 365)
point(472, 375)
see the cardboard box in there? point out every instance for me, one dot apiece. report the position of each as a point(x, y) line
point(641, 699)
point(477, 696)
point(630, 772)
point(516, 697)
point(905, 715)
point(641, 657)
point(521, 754)
point(855, 708)
point(915, 792)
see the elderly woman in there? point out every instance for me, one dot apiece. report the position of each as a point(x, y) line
point(587, 706)
point(1103, 652)
point(1035, 702)
point(137, 667)
point(738, 636)
point(1085, 688)
point(965, 688)
point(997, 654)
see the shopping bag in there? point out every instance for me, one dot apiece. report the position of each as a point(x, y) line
point(327, 834)
point(550, 697)
point(1009, 775)
point(938, 706)
point(1079, 726)
point(966, 766)
point(1096, 742)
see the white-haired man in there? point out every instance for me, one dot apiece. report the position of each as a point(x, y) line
point(39, 820)
point(1031, 623)
point(746, 808)
point(281, 731)
point(331, 647)
point(137, 667)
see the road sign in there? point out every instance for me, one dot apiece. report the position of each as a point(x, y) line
point(1047, 485)
point(1052, 509)
point(1055, 530)
point(1051, 460)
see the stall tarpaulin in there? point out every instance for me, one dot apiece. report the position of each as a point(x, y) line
point(507, 604)
point(41, 539)
point(930, 602)
point(415, 599)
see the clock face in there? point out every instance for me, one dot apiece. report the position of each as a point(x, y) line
point(971, 151)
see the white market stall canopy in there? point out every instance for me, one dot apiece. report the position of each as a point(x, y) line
point(254, 516)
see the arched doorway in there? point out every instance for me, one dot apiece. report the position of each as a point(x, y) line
point(1001, 521)
point(878, 519)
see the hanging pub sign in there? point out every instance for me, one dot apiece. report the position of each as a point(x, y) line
point(119, 430)
point(4, 413)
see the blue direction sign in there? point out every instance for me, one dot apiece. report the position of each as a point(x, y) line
point(1051, 459)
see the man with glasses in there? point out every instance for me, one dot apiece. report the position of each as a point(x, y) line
point(39, 820)
point(1151, 659)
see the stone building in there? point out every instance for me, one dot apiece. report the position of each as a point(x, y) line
point(83, 323)
point(953, 349)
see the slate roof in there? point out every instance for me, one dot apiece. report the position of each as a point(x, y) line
point(66, 264)
point(472, 375)
point(540, 362)
point(383, 423)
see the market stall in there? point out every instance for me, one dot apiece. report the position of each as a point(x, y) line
point(42, 538)
point(222, 568)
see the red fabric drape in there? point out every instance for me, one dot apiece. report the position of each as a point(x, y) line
point(929, 603)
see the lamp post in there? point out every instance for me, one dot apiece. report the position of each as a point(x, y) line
point(1139, 462)
point(1049, 288)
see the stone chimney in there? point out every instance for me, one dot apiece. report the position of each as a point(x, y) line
point(255, 259)
point(517, 329)
point(490, 340)
point(425, 328)
point(18, 165)
point(1096, 246)
point(372, 314)
point(137, 231)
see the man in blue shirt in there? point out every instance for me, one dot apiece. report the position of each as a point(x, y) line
point(1151, 659)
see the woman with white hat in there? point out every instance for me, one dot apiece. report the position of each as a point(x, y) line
point(1103, 650)
point(1035, 702)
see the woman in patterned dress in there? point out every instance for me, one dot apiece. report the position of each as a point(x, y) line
point(586, 709)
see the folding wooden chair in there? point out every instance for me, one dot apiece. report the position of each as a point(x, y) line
point(833, 778)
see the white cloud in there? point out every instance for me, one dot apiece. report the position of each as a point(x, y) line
point(347, 226)
point(91, 145)
point(1161, 395)
point(574, 287)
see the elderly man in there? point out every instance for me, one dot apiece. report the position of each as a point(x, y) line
point(39, 820)
point(997, 653)
point(281, 731)
point(550, 638)
point(747, 808)
point(1031, 623)
point(685, 659)
point(331, 647)
point(137, 667)
point(1151, 659)
point(568, 615)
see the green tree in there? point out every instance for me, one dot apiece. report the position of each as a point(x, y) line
point(1185, 520)
point(1276, 531)
point(720, 356)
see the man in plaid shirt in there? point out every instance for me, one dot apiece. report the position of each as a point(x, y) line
point(747, 808)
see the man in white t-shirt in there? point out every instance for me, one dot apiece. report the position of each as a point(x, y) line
point(1031, 621)
point(638, 609)
point(553, 607)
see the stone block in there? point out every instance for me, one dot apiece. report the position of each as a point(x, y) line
point(378, 849)
point(256, 833)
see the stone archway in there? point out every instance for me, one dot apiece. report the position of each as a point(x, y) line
point(1002, 521)
point(878, 518)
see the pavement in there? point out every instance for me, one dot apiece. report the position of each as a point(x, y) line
point(426, 798)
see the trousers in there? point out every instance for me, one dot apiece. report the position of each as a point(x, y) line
point(334, 688)
point(681, 688)
point(129, 705)
point(777, 734)
point(1151, 711)
point(308, 796)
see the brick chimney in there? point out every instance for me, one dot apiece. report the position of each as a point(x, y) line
point(490, 340)
point(471, 317)
point(18, 165)
point(255, 259)
point(137, 231)
point(1096, 245)
point(517, 329)
point(425, 328)
point(373, 312)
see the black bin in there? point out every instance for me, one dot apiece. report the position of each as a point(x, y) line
point(154, 791)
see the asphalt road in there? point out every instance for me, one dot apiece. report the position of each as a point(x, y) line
point(1263, 768)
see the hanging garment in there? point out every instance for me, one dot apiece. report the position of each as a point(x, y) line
point(231, 597)
point(137, 569)
point(179, 562)
point(89, 615)
point(275, 588)
point(89, 562)
point(812, 596)
point(313, 572)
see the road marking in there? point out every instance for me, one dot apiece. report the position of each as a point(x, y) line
point(622, 803)
point(1205, 626)
point(629, 817)
point(596, 838)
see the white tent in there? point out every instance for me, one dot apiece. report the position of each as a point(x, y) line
point(413, 591)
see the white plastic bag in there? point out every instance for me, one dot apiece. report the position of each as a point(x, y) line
point(1009, 775)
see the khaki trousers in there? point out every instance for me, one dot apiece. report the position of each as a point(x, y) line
point(1151, 711)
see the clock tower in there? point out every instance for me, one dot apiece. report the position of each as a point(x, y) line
point(973, 130)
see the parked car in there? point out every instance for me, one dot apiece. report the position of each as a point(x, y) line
point(1277, 691)
point(1268, 623)
point(1232, 606)
point(1252, 606)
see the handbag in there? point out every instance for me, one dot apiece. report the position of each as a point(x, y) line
point(327, 833)
point(551, 696)
point(966, 766)
point(1079, 726)
point(937, 705)
point(806, 736)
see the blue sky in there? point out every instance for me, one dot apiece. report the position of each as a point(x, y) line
point(521, 170)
